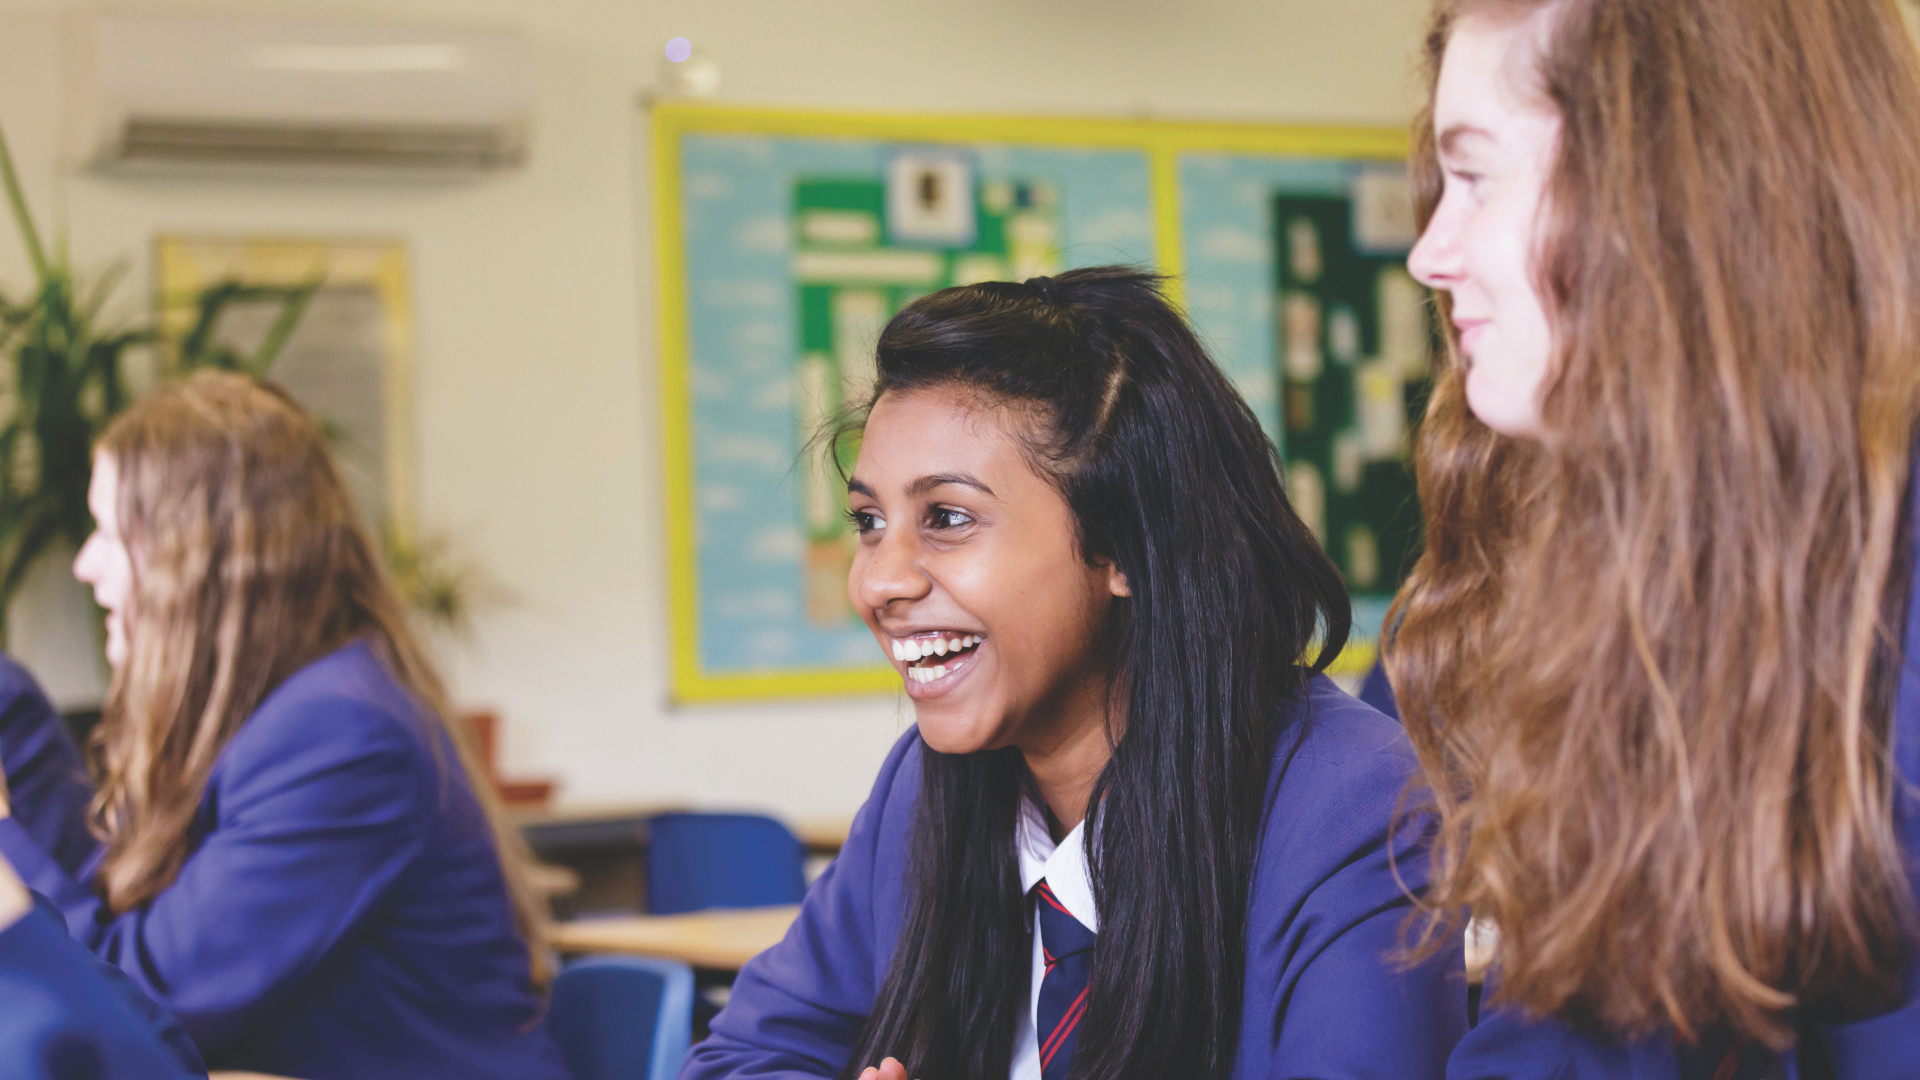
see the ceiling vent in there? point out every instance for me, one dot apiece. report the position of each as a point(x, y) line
point(181, 94)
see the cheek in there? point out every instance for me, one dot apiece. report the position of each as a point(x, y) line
point(1509, 364)
point(1044, 617)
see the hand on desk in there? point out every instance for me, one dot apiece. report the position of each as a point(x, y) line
point(890, 1069)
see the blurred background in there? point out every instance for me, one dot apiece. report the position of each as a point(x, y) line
point(525, 432)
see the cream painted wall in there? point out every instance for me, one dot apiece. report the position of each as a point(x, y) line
point(536, 384)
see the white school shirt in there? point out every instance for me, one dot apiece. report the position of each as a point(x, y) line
point(1064, 865)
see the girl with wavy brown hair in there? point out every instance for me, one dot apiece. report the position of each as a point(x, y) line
point(1652, 656)
point(296, 858)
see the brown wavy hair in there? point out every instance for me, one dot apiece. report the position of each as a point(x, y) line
point(1649, 660)
point(249, 563)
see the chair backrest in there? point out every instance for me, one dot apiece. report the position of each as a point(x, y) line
point(697, 861)
point(623, 1017)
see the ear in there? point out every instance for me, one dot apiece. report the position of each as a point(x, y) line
point(1117, 581)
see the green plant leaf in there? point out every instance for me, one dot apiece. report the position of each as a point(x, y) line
point(22, 217)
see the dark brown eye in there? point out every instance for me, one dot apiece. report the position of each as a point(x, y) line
point(946, 517)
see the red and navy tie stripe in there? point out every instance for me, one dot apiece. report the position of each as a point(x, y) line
point(1068, 947)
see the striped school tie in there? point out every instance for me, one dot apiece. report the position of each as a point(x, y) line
point(1068, 947)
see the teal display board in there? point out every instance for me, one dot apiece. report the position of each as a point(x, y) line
point(787, 240)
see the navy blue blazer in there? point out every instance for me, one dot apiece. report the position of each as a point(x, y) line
point(342, 912)
point(67, 1015)
point(1378, 692)
point(1322, 997)
point(1507, 1046)
point(161, 1025)
point(46, 779)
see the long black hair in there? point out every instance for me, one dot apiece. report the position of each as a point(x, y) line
point(1171, 479)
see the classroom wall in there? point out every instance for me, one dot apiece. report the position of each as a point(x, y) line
point(536, 381)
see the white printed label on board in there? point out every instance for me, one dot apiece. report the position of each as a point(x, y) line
point(1300, 318)
point(930, 199)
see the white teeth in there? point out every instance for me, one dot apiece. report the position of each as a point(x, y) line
point(913, 650)
point(927, 675)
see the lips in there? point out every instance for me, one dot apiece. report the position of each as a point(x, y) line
point(1471, 331)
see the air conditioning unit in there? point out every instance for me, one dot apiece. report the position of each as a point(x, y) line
point(158, 93)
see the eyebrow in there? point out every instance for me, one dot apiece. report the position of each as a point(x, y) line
point(928, 483)
point(1450, 138)
point(924, 484)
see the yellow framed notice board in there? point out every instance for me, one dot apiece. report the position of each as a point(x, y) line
point(787, 239)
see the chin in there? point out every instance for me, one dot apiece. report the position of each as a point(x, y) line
point(952, 734)
point(116, 648)
point(1500, 408)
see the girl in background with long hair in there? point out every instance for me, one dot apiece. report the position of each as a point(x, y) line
point(1134, 832)
point(1652, 657)
point(296, 858)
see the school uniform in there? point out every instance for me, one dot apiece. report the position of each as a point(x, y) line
point(1506, 1046)
point(47, 788)
point(342, 913)
point(1378, 692)
point(1322, 996)
point(67, 1016)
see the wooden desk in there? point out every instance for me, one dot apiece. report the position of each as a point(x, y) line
point(552, 881)
point(716, 940)
point(823, 835)
point(568, 816)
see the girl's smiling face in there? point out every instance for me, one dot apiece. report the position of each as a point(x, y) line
point(970, 574)
point(1497, 137)
point(104, 561)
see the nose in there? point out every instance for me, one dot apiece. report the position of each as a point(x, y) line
point(1436, 260)
point(888, 573)
point(83, 562)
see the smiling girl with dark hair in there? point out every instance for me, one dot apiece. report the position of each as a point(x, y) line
point(1134, 833)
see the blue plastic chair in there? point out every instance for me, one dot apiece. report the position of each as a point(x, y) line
point(623, 1017)
point(698, 861)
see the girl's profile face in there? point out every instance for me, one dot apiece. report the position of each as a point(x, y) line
point(104, 561)
point(969, 573)
point(1497, 137)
